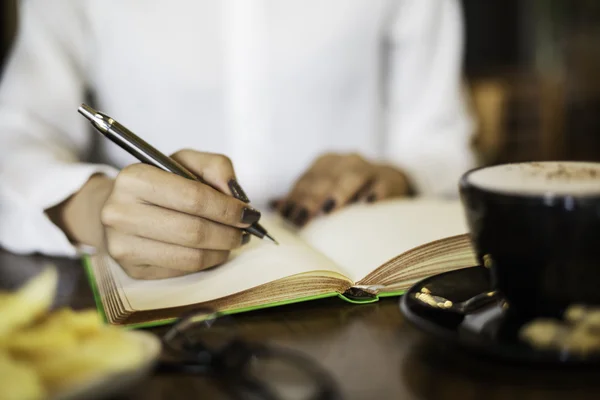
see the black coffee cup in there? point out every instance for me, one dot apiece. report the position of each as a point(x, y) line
point(536, 226)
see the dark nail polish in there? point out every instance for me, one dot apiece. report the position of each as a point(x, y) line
point(250, 216)
point(273, 204)
point(245, 238)
point(328, 206)
point(371, 198)
point(354, 198)
point(237, 191)
point(288, 210)
point(302, 217)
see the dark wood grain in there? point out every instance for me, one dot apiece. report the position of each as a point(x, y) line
point(371, 351)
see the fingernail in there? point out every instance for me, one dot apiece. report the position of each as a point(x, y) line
point(288, 210)
point(302, 217)
point(371, 198)
point(328, 206)
point(237, 191)
point(250, 216)
point(245, 238)
point(273, 204)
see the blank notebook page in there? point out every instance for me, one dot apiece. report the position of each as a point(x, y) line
point(363, 237)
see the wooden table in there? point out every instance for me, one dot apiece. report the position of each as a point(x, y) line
point(371, 350)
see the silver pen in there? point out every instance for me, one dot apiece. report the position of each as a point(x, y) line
point(144, 152)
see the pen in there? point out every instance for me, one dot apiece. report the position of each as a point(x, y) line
point(144, 152)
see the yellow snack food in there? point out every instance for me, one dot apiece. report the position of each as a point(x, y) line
point(42, 340)
point(575, 313)
point(108, 351)
point(81, 323)
point(45, 353)
point(28, 303)
point(592, 321)
point(18, 381)
point(542, 333)
point(582, 341)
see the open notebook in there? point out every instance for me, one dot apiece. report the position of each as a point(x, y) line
point(359, 253)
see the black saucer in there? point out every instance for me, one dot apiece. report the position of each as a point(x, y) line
point(491, 331)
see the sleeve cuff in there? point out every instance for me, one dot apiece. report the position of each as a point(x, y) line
point(434, 162)
point(434, 175)
point(25, 196)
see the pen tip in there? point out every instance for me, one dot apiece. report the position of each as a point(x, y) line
point(272, 239)
point(87, 111)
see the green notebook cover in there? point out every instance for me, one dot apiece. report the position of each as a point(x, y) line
point(100, 306)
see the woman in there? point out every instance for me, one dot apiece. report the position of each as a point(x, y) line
point(315, 103)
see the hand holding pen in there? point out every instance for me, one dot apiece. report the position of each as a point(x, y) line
point(162, 220)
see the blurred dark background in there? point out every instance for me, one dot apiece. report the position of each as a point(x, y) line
point(7, 25)
point(533, 71)
point(533, 67)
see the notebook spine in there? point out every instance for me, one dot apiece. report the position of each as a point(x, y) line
point(361, 294)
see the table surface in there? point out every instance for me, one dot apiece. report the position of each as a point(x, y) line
point(371, 350)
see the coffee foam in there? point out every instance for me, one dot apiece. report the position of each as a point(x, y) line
point(539, 178)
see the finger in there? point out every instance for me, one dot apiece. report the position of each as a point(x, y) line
point(312, 200)
point(389, 182)
point(354, 163)
point(378, 191)
point(275, 204)
point(322, 167)
point(361, 193)
point(215, 169)
point(349, 186)
point(168, 226)
point(349, 162)
point(288, 206)
point(152, 185)
point(151, 272)
point(328, 198)
point(133, 251)
point(326, 161)
point(292, 208)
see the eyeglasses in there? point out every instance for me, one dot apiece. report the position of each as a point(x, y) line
point(206, 343)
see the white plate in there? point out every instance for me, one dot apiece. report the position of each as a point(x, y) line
point(111, 385)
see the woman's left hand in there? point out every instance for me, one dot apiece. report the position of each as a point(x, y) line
point(336, 180)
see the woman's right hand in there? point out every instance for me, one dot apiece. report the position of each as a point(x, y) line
point(159, 225)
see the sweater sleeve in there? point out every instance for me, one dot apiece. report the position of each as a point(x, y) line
point(42, 137)
point(428, 125)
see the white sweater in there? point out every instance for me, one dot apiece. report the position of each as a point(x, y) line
point(270, 83)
